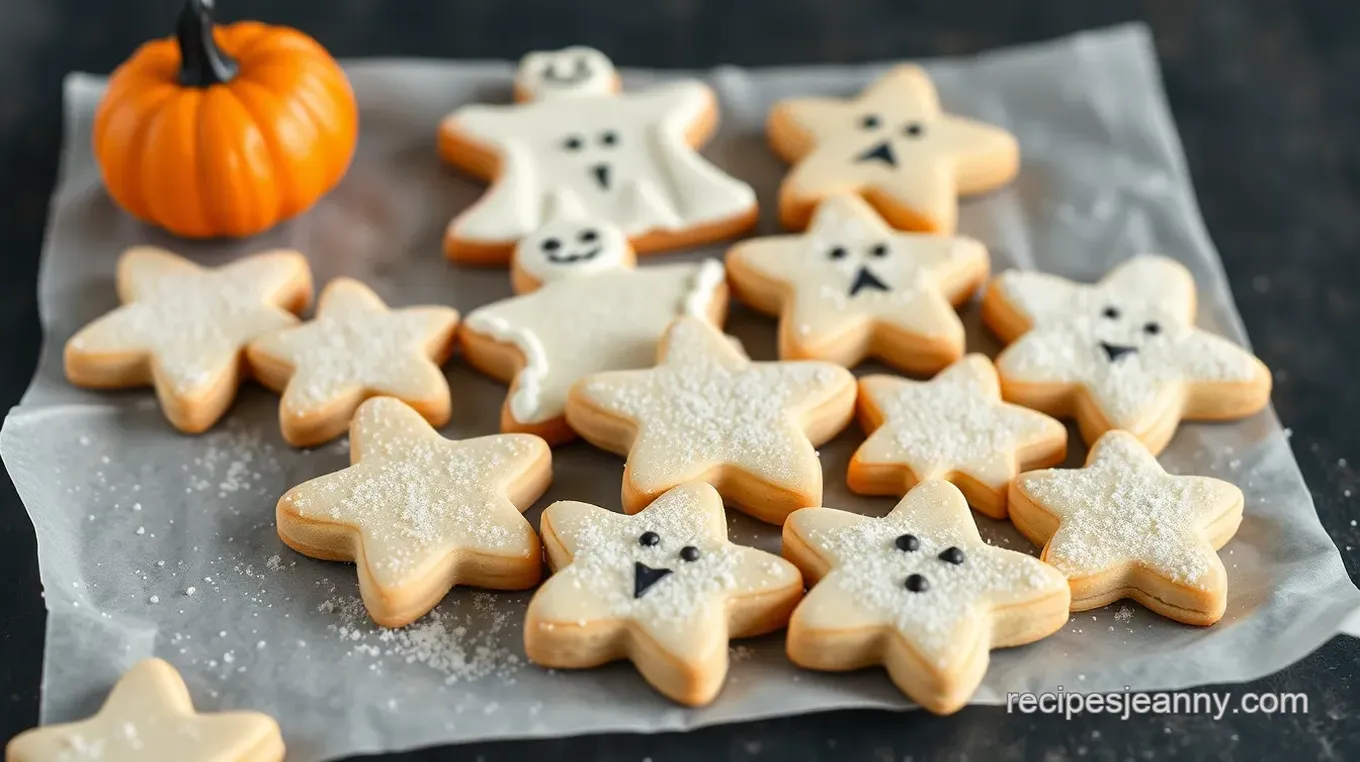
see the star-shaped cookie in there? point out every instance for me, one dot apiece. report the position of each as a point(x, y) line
point(418, 513)
point(356, 348)
point(182, 328)
point(663, 588)
point(149, 716)
point(917, 591)
point(1123, 353)
point(852, 287)
point(708, 413)
point(1123, 528)
point(954, 427)
point(894, 145)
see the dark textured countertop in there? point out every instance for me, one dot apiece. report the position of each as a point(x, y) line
point(1265, 97)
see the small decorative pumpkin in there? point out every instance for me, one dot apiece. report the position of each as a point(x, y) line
point(224, 131)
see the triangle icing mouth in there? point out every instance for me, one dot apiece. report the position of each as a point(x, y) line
point(866, 279)
point(1116, 351)
point(645, 576)
point(882, 152)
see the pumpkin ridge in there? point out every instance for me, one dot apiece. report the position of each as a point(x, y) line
point(306, 82)
point(171, 111)
point(278, 163)
point(126, 155)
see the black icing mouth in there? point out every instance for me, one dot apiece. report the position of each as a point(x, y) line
point(882, 152)
point(1116, 351)
point(577, 74)
point(601, 173)
point(867, 279)
point(566, 259)
point(645, 576)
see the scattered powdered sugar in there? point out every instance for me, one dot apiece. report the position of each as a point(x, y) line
point(1124, 614)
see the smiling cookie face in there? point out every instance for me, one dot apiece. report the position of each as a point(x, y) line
point(572, 248)
point(1121, 328)
point(569, 72)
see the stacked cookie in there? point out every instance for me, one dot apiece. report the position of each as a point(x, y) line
point(633, 359)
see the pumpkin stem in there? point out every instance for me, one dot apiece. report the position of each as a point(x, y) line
point(202, 63)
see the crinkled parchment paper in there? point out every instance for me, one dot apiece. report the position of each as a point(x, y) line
point(156, 543)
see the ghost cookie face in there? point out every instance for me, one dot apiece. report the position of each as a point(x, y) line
point(628, 158)
point(917, 591)
point(1123, 353)
point(892, 144)
point(1123, 528)
point(569, 72)
point(663, 588)
point(852, 288)
point(567, 248)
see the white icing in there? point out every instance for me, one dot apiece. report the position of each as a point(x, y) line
point(708, 404)
point(357, 344)
point(570, 248)
point(193, 321)
point(569, 72)
point(1069, 325)
point(416, 497)
point(655, 180)
point(954, 422)
point(866, 585)
point(920, 271)
point(575, 327)
point(686, 610)
point(1122, 508)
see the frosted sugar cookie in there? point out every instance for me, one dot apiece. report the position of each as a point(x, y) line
point(1123, 353)
point(663, 588)
point(183, 328)
point(892, 144)
point(149, 716)
point(1123, 528)
point(588, 311)
point(356, 348)
point(852, 287)
point(630, 159)
point(418, 514)
point(708, 413)
point(917, 591)
point(564, 73)
point(954, 427)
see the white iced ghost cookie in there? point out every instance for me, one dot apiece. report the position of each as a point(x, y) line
point(953, 427)
point(587, 311)
point(569, 72)
point(183, 328)
point(708, 413)
point(1124, 528)
point(1123, 353)
point(917, 591)
point(629, 159)
point(418, 513)
point(149, 716)
point(354, 349)
point(663, 588)
point(852, 287)
point(892, 144)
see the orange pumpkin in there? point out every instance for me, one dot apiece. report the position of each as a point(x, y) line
point(224, 131)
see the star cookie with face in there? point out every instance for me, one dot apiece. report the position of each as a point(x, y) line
point(893, 145)
point(583, 309)
point(183, 328)
point(708, 413)
point(663, 588)
point(954, 427)
point(917, 591)
point(565, 73)
point(356, 348)
point(1123, 528)
point(852, 287)
point(1123, 353)
point(629, 159)
point(149, 716)
point(418, 513)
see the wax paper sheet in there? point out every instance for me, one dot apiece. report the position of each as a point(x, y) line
point(155, 543)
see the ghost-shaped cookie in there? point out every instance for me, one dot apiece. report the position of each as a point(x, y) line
point(565, 73)
point(582, 308)
point(629, 159)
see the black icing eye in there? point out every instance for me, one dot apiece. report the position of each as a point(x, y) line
point(917, 584)
point(1111, 313)
point(952, 555)
point(1152, 328)
point(689, 553)
point(869, 121)
point(609, 138)
point(588, 236)
point(551, 244)
point(837, 252)
point(582, 66)
point(914, 129)
point(907, 542)
point(879, 250)
point(573, 143)
point(648, 539)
